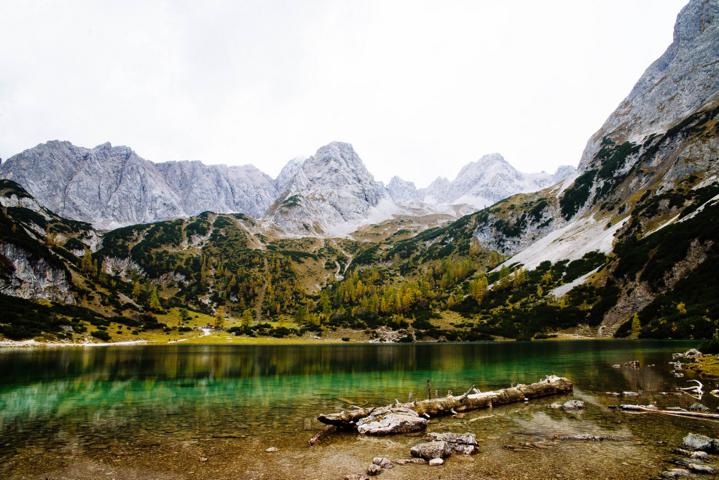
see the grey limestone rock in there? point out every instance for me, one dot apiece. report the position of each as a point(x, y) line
point(430, 450)
point(331, 193)
point(488, 180)
point(390, 421)
point(695, 441)
point(684, 78)
point(113, 186)
point(461, 443)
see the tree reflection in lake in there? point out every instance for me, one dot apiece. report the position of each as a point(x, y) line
point(95, 399)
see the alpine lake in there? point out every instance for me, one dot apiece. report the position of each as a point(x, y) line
point(211, 412)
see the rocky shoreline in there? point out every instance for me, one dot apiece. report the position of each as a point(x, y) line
point(36, 344)
point(695, 457)
point(696, 363)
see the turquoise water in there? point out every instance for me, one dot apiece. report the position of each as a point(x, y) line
point(96, 405)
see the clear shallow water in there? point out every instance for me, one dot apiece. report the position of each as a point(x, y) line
point(197, 411)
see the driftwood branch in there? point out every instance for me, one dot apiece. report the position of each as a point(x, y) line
point(659, 411)
point(695, 391)
point(551, 385)
point(473, 389)
point(317, 437)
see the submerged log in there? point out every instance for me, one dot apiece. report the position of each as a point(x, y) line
point(450, 405)
point(317, 437)
point(659, 411)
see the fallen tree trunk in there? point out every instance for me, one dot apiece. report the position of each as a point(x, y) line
point(450, 405)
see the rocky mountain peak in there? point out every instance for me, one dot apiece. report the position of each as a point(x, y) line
point(488, 180)
point(695, 19)
point(437, 192)
point(103, 147)
point(335, 165)
point(488, 165)
point(327, 193)
point(659, 144)
point(683, 79)
point(338, 151)
point(439, 183)
point(331, 192)
point(337, 158)
point(490, 159)
point(107, 150)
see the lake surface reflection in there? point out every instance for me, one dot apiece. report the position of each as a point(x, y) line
point(97, 403)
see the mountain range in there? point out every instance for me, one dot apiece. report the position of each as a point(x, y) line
point(626, 246)
point(329, 193)
point(477, 185)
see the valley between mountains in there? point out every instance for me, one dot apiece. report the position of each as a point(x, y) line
point(101, 245)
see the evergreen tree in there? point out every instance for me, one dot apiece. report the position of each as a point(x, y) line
point(136, 290)
point(154, 299)
point(184, 316)
point(220, 317)
point(301, 315)
point(247, 317)
point(86, 263)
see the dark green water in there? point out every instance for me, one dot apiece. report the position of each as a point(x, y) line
point(93, 401)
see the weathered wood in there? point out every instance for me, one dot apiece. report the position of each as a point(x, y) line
point(449, 405)
point(659, 411)
point(317, 437)
point(587, 437)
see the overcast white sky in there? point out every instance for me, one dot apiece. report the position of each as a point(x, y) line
point(420, 88)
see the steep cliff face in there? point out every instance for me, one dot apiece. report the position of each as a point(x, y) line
point(219, 188)
point(36, 247)
point(107, 185)
point(112, 186)
point(287, 174)
point(662, 133)
point(403, 192)
point(677, 84)
point(32, 278)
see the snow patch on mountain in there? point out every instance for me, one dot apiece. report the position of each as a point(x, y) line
point(562, 290)
point(570, 242)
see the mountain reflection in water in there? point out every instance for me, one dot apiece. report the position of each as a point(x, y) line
point(119, 399)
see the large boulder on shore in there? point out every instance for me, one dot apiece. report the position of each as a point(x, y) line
point(389, 421)
point(430, 450)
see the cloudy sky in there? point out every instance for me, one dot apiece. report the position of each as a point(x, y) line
point(420, 88)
